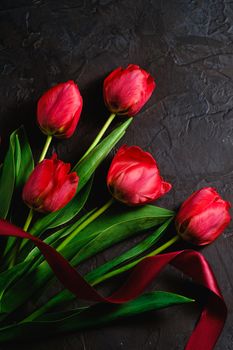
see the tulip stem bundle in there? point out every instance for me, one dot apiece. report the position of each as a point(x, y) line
point(99, 136)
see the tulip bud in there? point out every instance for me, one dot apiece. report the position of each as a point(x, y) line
point(50, 186)
point(59, 109)
point(127, 90)
point(203, 217)
point(133, 177)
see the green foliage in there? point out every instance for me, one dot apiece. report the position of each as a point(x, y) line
point(87, 317)
point(140, 248)
point(7, 180)
point(115, 225)
point(17, 166)
point(96, 274)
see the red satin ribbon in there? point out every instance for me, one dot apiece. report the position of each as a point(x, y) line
point(190, 262)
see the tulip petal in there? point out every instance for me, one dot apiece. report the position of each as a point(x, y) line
point(203, 217)
point(198, 201)
point(50, 186)
point(62, 195)
point(38, 184)
point(134, 178)
point(59, 109)
point(209, 225)
point(127, 90)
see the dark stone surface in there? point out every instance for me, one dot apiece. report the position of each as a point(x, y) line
point(187, 125)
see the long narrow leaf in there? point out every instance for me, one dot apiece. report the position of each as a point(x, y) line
point(92, 316)
point(8, 277)
point(130, 254)
point(88, 165)
point(7, 180)
point(26, 164)
point(17, 157)
point(117, 224)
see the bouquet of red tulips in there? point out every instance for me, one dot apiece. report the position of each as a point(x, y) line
point(57, 233)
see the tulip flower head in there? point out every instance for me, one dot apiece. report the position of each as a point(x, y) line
point(50, 186)
point(59, 109)
point(127, 90)
point(203, 217)
point(133, 177)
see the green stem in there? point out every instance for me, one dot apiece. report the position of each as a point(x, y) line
point(17, 246)
point(132, 264)
point(85, 224)
point(46, 147)
point(99, 136)
point(33, 316)
point(28, 220)
point(43, 309)
point(25, 228)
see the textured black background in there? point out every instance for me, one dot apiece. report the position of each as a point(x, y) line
point(187, 125)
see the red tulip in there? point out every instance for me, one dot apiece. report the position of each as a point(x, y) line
point(203, 217)
point(59, 109)
point(50, 186)
point(127, 90)
point(133, 177)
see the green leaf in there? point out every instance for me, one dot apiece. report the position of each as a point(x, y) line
point(116, 224)
point(88, 165)
point(144, 303)
point(92, 316)
point(8, 277)
point(17, 160)
point(130, 254)
point(17, 166)
point(7, 180)
point(26, 164)
point(17, 156)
